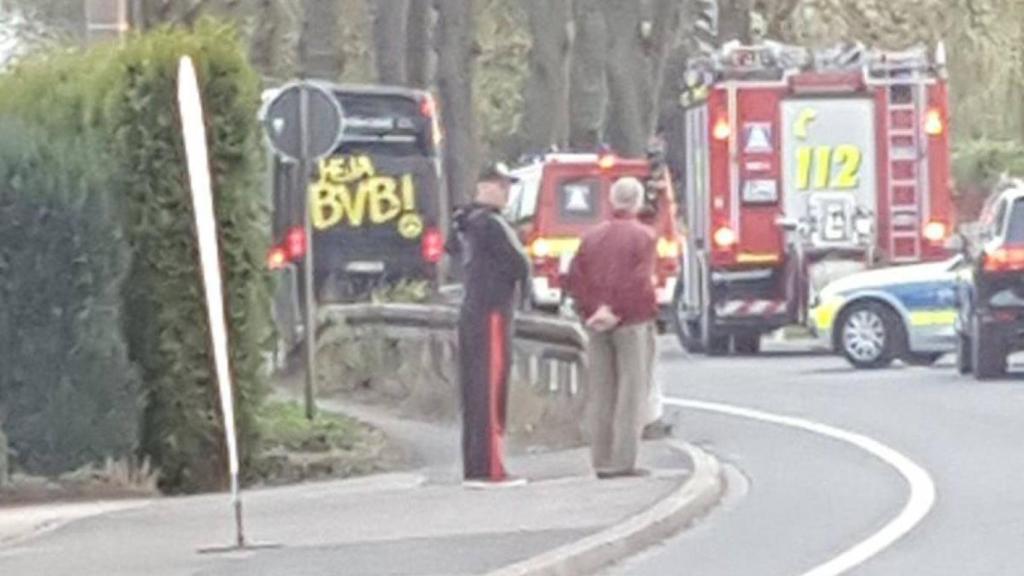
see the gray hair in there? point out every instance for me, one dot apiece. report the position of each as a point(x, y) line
point(627, 194)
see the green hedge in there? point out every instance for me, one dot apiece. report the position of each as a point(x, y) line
point(166, 325)
point(69, 394)
point(124, 98)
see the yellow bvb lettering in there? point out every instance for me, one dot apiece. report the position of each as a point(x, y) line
point(332, 204)
point(408, 193)
point(323, 207)
point(345, 169)
point(349, 191)
point(385, 204)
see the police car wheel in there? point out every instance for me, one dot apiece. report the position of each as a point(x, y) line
point(869, 335)
point(922, 358)
point(963, 354)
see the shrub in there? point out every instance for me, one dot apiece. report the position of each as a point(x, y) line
point(979, 163)
point(977, 166)
point(123, 99)
point(69, 394)
point(166, 318)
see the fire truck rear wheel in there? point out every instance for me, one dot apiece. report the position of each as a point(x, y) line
point(870, 335)
point(688, 334)
point(747, 343)
point(714, 344)
point(717, 345)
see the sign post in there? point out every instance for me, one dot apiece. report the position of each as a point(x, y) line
point(294, 136)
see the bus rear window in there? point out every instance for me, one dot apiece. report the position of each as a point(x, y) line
point(385, 124)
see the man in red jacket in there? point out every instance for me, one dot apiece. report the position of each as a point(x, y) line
point(612, 282)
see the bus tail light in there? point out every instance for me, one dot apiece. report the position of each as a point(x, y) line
point(1004, 260)
point(277, 258)
point(432, 246)
point(606, 161)
point(295, 244)
point(427, 107)
point(724, 238)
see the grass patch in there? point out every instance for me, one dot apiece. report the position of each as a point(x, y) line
point(284, 426)
point(294, 449)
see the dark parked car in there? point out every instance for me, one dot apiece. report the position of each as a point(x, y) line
point(990, 323)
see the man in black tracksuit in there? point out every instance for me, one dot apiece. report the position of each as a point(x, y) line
point(494, 264)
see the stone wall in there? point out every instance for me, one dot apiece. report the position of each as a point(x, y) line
point(416, 377)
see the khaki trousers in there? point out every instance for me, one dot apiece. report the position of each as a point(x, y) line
point(619, 381)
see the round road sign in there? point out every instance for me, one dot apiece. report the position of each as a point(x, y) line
point(324, 121)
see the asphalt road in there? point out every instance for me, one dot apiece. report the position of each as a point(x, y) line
point(799, 499)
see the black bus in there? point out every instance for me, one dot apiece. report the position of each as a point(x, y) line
point(375, 203)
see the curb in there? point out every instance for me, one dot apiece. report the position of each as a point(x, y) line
point(36, 520)
point(691, 500)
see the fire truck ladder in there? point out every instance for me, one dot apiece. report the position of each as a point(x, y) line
point(905, 97)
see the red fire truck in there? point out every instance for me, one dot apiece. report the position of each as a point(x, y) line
point(798, 162)
point(560, 196)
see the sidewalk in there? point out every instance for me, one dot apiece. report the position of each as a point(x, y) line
point(398, 524)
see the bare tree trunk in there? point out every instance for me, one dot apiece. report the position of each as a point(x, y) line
point(267, 37)
point(546, 117)
point(628, 81)
point(734, 21)
point(417, 43)
point(389, 37)
point(588, 93)
point(319, 54)
point(145, 14)
point(665, 18)
point(455, 53)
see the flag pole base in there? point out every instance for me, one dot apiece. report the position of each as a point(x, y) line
point(240, 544)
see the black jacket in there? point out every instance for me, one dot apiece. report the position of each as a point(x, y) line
point(493, 260)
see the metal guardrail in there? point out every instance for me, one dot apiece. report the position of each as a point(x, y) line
point(549, 351)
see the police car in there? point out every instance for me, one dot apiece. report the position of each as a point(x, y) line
point(877, 316)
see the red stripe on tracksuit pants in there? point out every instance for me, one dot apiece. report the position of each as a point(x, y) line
point(484, 352)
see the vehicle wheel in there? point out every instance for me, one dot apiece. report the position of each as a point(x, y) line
point(687, 331)
point(988, 357)
point(714, 344)
point(688, 334)
point(963, 354)
point(717, 346)
point(922, 358)
point(870, 335)
point(749, 344)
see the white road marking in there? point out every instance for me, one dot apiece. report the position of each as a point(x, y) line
point(922, 487)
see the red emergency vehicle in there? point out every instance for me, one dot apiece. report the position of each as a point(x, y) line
point(560, 196)
point(796, 159)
